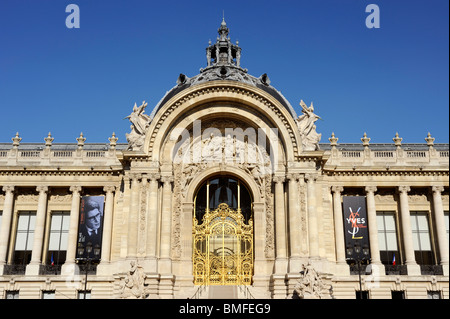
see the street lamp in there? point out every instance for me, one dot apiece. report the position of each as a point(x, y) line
point(358, 259)
point(87, 260)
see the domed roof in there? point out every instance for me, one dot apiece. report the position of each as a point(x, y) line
point(223, 63)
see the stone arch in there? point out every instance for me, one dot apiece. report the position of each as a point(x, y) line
point(261, 233)
point(246, 95)
point(223, 170)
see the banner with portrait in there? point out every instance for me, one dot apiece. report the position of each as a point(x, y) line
point(355, 223)
point(90, 226)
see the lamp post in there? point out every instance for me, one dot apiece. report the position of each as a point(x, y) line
point(356, 249)
point(87, 260)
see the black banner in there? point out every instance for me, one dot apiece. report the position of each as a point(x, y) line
point(90, 227)
point(356, 226)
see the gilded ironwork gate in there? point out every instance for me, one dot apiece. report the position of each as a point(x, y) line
point(223, 248)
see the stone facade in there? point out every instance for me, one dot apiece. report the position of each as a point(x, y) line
point(150, 185)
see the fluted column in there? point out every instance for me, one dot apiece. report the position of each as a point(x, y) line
point(133, 217)
point(280, 227)
point(294, 224)
point(373, 228)
point(38, 241)
point(6, 224)
point(339, 224)
point(73, 228)
point(441, 231)
point(410, 259)
point(313, 232)
point(107, 223)
point(165, 264)
point(152, 222)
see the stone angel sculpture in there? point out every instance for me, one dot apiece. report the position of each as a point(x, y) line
point(139, 124)
point(307, 128)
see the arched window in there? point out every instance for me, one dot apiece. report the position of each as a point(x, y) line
point(223, 189)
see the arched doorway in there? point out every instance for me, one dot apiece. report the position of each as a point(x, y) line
point(223, 233)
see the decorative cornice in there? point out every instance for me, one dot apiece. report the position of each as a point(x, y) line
point(16, 172)
point(384, 173)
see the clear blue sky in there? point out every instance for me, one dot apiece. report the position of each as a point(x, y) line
point(379, 81)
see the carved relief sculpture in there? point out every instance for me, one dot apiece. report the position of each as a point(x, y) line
point(311, 285)
point(133, 285)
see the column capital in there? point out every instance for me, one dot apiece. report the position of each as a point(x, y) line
point(135, 176)
point(167, 179)
point(278, 179)
point(109, 189)
point(437, 189)
point(42, 188)
point(293, 176)
point(371, 189)
point(154, 176)
point(8, 188)
point(310, 177)
point(75, 189)
point(404, 189)
point(337, 189)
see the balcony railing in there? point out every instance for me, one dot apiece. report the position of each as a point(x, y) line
point(401, 270)
point(14, 269)
point(50, 270)
point(431, 270)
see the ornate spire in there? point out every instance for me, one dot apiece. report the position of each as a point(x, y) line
point(223, 31)
point(223, 52)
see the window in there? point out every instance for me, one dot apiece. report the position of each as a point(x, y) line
point(24, 238)
point(223, 190)
point(433, 294)
point(387, 238)
point(59, 232)
point(398, 294)
point(421, 238)
point(84, 294)
point(12, 294)
point(48, 294)
point(362, 294)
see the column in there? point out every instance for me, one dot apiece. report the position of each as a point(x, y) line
point(294, 224)
point(133, 217)
point(313, 232)
point(373, 228)
point(441, 232)
point(107, 223)
point(280, 227)
point(339, 225)
point(152, 223)
point(6, 224)
point(69, 265)
point(165, 265)
point(278, 280)
point(410, 259)
point(38, 241)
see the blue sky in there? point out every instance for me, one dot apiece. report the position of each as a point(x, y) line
point(379, 81)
